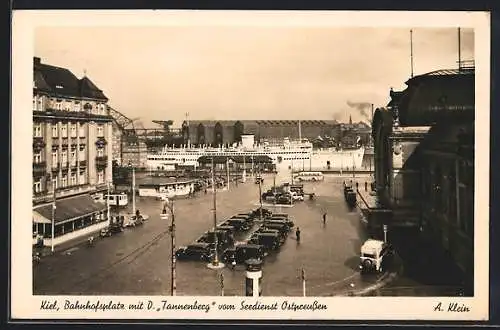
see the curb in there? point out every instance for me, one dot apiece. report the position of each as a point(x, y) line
point(384, 280)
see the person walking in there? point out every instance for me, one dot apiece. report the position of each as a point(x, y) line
point(324, 218)
point(297, 234)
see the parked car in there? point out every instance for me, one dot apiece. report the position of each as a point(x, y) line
point(270, 239)
point(375, 256)
point(241, 253)
point(265, 213)
point(281, 227)
point(289, 223)
point(258, 180)
point(239, 224)
point(105, 232)
point(195, 251)
point(285, 198)
point(296, 196)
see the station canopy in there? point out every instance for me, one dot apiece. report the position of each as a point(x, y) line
point(260, 159)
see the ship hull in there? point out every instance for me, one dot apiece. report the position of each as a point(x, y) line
point(315, 160)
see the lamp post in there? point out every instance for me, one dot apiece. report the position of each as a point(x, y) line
point(215, 264)
point(133, 187)
point(164, 216)
point(107, 205)
point(53, 220)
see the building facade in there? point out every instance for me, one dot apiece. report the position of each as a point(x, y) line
point(424, 162)
point(72, 152)
point(230, 131)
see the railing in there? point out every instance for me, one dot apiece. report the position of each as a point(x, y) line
point(47, 196)
point(101, 161)
point(39, 168)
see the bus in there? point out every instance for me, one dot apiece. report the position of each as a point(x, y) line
point(309, 176)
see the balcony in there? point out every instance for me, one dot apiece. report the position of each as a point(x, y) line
point(64, 142)
point(83, 163)
point(101, 142)
point(101, 161)
point(39, 169)
point(38, 143)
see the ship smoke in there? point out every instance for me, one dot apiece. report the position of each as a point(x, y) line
point(364, 108)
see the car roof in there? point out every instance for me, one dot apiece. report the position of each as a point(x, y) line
point(372, 244)
point(254, 246)
point(198, 244)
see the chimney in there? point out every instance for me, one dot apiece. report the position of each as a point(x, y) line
point(36, 60)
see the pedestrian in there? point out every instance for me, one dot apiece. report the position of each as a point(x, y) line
point(357, 185)
point(324, 218)
point(297, 234)
point(205, 191)
point(366, 186)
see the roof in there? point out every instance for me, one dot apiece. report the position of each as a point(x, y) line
point(70, 208)
point(278, 122)
point(372, 244)
point(61, 81)
point(443, 73)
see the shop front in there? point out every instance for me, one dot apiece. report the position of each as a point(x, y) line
point(71, 217)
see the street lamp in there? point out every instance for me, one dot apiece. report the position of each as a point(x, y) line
point(215, 264)
point(164, 216)
point(133, 187)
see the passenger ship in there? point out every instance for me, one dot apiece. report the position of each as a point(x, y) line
point(296, 155)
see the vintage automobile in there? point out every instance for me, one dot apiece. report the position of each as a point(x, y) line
point(242, 252)
point(375, 256)
point(350, 195)
point(227, 228)
point(259, 179)
point(105, 232)
point(281, 227)
point(239, 224)
point(288, 222)
point(265, 213)
point(224, 239)
point(284, 198)
point(195, 251)
point(270, 239)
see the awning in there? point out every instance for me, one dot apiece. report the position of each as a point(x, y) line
point(236, 158)
point(67, 209)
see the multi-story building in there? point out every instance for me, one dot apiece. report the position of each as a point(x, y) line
point(424, 162)
point(72, 134)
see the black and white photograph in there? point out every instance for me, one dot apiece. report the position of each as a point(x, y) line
point(274, 162)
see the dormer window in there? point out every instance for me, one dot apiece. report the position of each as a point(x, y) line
point(59, 86)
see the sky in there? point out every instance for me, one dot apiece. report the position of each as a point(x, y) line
point(224, 72)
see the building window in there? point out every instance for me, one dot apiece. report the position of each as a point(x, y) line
point(100, 152)
point(64, 157)
point(81, 130)
point(73, 130)
point(100, 177)
point(54, 183)
point(73, 158)
point(81, 177)
point(100, 131)
point(34, 103)
point(37, 157)
point(64, 130)
point(40, 103)
point(64, 181)
point(76, 106)
point(58, 105)
point(37, 130)
point(54, 131)
point(73, 179)
point(55, 159)
point(37, 187)
point(81, 154)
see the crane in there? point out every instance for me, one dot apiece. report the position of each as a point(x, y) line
point(165, 123)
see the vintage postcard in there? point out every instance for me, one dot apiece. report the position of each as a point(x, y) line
point(234, 165)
